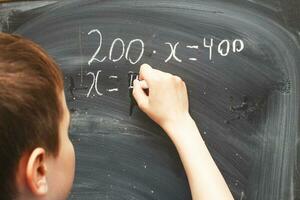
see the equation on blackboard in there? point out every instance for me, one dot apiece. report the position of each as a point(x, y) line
point(223, 48)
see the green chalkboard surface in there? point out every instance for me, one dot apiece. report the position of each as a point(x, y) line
point(239, 59)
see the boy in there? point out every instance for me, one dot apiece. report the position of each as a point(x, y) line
point(35, 150)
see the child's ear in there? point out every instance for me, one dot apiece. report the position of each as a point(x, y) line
point(36, 172)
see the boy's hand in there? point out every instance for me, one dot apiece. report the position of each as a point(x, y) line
point(167, 105)
point(167, 101)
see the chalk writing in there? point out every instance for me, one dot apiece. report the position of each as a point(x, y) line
point(133, 52)
point(94, 83)
point(112, 47)
point(110, 56)
point(98, 49)
point(208, 46)
point(141, 53)
point(224, 48)
point(173, 52)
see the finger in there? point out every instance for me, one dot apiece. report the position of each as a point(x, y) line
point(161, 73)
point(146, 72)
point(144, 84)
point(139, 95)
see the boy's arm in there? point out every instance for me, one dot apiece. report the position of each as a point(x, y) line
point(205, 179)
point(167, 105)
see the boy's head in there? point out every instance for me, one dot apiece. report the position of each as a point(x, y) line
point(36, 155)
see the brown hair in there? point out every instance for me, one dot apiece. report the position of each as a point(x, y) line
point(30, 107)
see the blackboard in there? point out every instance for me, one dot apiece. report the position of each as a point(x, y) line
point(239, 59)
